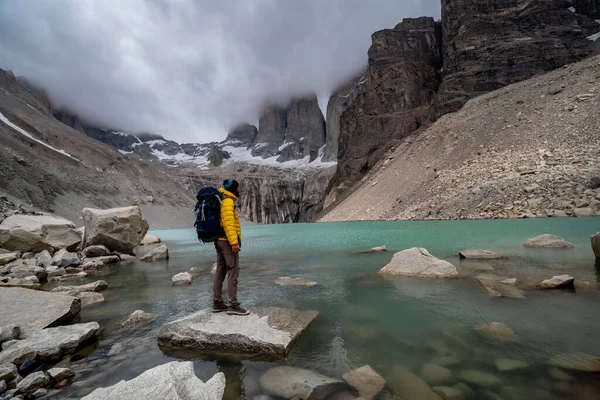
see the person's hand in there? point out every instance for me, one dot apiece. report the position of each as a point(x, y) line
point(235, 248)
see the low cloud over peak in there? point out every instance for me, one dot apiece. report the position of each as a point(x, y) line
point(190, 69)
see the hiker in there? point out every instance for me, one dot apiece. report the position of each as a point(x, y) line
point(228, 248)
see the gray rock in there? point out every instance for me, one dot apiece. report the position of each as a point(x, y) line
point(290, 281)
point(418, 262)
point(479, 378)
point(97, 250)
point(98, 262)
point(366, 381)
point(64, 259)
point(548, 241)
point(8, 372)
point(509, 281)
point(557, 282)
point(60, 374)
point(409, 386)
point(97, 286)
point(8, 257)
point(33, 382)
point(266, 332)
point(595, 240)
point(139, 317)
point(36, 233)
point(10, 332)
point(87, 298)
point(498, 289)
point(115, 349)
point(55, 343)
point(243, 134)
point(289, 383)
point(149, 239)
point(575, 361)
point(3, 387)
point(559, 374)
point(34, 310)
point(157, 254)
point(17, 356)
point(436, 375)
point(506, 365)
point(172, 381)
point(559, 214)
point(39, 393)
point(25, 271)
point(584, 212)
point(480, 255)
point(55, 271)
point(119, 229)
point(496, 331)
point(182, 278)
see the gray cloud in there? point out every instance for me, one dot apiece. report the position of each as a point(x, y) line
point(190, 69)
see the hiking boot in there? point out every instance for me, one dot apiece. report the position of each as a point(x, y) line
point(237, 310)
point(219, 306)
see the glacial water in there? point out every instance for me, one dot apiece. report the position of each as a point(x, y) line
point(365, 319)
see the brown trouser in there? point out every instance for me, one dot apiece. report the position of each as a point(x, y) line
point(228, 263)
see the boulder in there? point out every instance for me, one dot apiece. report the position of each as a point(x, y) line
point(595, 239)
point(290, 281)
point(436, 375)
point(64, 259)
point(8, 372)
point(119, 229)
point(60, 374)
point(33, 382)
point(9, 332)
point(157, 254)
point(290, 382)
point(584, 212)
point(576, 361)
point(506, 365)
point(366, 381)
point(479, 378)
point(496, 331)
point(17, 356)
point(547, 241)
point(499, 289)
point(409, 386)
point(418, 262)
point(36, 233)
point(25, 271)
point(557, 282)
point(378, 249)
point(479, 255)
point(265, 333)
point(98, 262)
point(58, 342)
point(55, 271)
point(3, 387)
point(34, 310)
point(182, 278)
point(509, 281)
point(97, 250)
point(97, 286)
point(87, 298)
point(8, 257)
point(150, 239)
point(139, 317)
point(173, 381)
point(43, 259)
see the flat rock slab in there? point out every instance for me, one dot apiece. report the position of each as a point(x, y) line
point(557, 282)
point(265, 333)
point(480, 255)
point(366, 381)
point(290, 382)
point(499, 289)
point(419, 263)
point(291, 281)
point(36, 233)
point(547, 241)
point(34, 310)
point(55, 343)
point(409, 386)
point(172, 381)
point(576, 361)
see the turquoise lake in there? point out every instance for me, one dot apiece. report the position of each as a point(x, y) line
point(366, 319)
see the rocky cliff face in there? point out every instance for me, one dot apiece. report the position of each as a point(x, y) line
point(69, 119)
point(243, 134)
point(271, 131)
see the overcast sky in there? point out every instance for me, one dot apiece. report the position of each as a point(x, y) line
point(190, 69)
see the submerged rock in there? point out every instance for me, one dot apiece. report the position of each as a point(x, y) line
point(34, 310)
point(409, 386)
point(88, 298)
point(366, 381)
point(505, 365)
point(450, 393)
point(595, 239)
point(500, 289)
point(183, 278)
point(149, 239)
point(290, 281)
point(479, 255)
point(43, 259)
point(557, 282)
point(479, 378)
point(97, 286)
point(436, 375)
point(157, 254)
point(289, 383)
point(266, 332)
point(139, 317)
point(479, 266)
point(576, 361)
point(8, 372)
point(547, 241)
point(496, 331)
point(35, 233)
point(419, 263)
point(172, 381)
point(119, 229)
point(60, 374)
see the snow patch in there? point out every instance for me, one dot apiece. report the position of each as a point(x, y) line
point(284, 145)
point(155, 142)
point(594, 37)
point(260, 145)
point(25, 133)
point(572, 9)
point(124, 152)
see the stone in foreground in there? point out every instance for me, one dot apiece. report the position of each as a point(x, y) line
point(265, 333)
point(36, 233)
point(34, 310)
point(480, 255)
point(149, 239)
point(290, 281)
point(366, 381)
point(409, 386)
point(97, 286)
point(157, 254)
point(172, 381)
point(595, 239)
point(290, 382)
point(419, 263)
point(182, 279)
point(33, 382)
point(119, 229)
point(547, 241)
point(17, 356)
point(55, 343)
point(557, 282)
point(577, 362)
point(496, 331)
point(8, 257)
point(139, 317)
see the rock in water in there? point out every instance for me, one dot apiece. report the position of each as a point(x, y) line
point(97, 286)
point(480, 255)
point(419, 263)
point(409, 386)
point(265, 333)
point(577, 362)
point(436, 375)
point(55, 343)
point(149, 239)
point(60, 374)
point(378, 249)
point(479, 378)
point(595, 239)
point(500, 289)
point(36, 233)
point(182, 279)
point(289, 281)
point(366, 381)
point(157, 254)
point(505, 365)
point(172, 381)
point(34, 310)
point(139, 317)
point(557, 282)
point(88, 298)
point(289, 382)
point(547, 241)
point(119, 229)
point(496, 331)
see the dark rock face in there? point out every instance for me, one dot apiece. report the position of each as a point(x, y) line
point(244, 134)
point(488, 45)
point(69, 119)
point(271, 131)
point(339, 101)
point(216, 156)
point(403, 65)
point(112, 138)
point(591, 8)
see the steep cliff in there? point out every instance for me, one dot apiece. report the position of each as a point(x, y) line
point(69, 119)
point(272, 127)
point(244, 134)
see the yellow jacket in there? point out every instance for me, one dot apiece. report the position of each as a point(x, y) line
point(229, 218)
